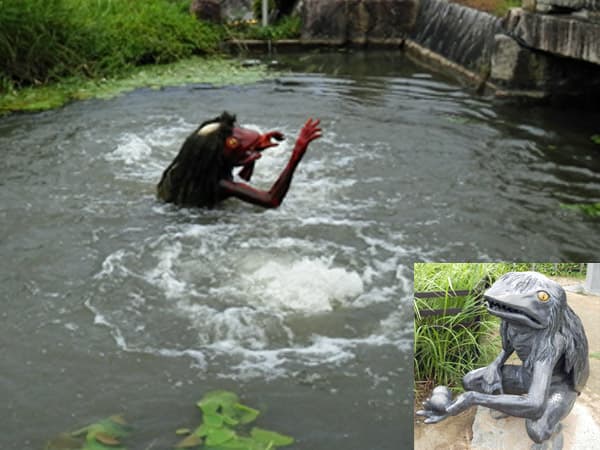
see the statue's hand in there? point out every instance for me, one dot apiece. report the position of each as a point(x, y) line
point(435, 406)
point(431, 416)
point(310, 131)
point(493, 380)
point(462, 402)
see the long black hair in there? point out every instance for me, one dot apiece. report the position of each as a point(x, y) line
point(192, 179)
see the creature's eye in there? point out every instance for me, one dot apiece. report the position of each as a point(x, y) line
point(231, 142)
point(543, 296)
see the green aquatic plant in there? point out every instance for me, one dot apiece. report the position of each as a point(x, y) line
point(595, 138)
point(225, 423)
point(103, 435)
point(215, 71)
point(589, 209)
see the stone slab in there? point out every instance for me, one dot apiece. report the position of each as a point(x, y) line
point(575, 5)
point(562, 35)
point(579, 432)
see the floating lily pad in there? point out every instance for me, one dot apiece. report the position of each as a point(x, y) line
point(219, 436)
point(244, 413)
point(213, 420)
point(102, 435)
point(202, 430)
point(190, 441)
point(106, 439)
point(214, 401)
point(223, 426)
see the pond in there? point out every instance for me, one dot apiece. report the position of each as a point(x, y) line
point(116, 303)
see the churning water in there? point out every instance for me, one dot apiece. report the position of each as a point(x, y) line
point(114, 302)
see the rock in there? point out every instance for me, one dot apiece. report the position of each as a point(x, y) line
point(519, 68)
point(560, 35)
point(578, 431)
point(505, 58)
point(209, 10)
point(357, 21)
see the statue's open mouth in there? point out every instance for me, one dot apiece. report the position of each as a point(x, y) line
point(512, 313)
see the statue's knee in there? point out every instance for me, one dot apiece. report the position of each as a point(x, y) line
point(539, 431)
point(472, 380)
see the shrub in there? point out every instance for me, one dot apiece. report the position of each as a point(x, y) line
point(44, 40)
point(448, 346)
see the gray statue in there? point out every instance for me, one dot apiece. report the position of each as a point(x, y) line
point(537, 324)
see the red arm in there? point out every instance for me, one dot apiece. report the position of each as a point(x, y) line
point(274, 196)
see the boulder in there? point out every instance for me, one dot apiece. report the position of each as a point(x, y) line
point(357, 21)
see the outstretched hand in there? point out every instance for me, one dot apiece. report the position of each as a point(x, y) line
point(436, 405)
point(309, 132)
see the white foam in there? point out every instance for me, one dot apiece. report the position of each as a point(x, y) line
point(273, 363)
point(132, 150)
point(164, 275)
point(309, 285)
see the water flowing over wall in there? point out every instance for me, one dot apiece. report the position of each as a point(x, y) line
point(462, 35)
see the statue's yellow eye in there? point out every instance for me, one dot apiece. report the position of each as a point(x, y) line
point(543, 296)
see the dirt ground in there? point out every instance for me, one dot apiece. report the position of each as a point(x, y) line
point(455, 433)
point(490, 6)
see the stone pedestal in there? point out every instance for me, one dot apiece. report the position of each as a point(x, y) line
point(592, 279)
point(578, 431)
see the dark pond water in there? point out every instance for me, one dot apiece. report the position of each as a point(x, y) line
point(113, 302)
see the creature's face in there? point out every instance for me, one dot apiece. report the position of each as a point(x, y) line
point(525, 298)
point(243, 146)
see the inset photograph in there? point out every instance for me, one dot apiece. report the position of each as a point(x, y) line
point(507, 355)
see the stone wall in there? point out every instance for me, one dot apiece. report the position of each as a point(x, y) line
point(357, 21)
